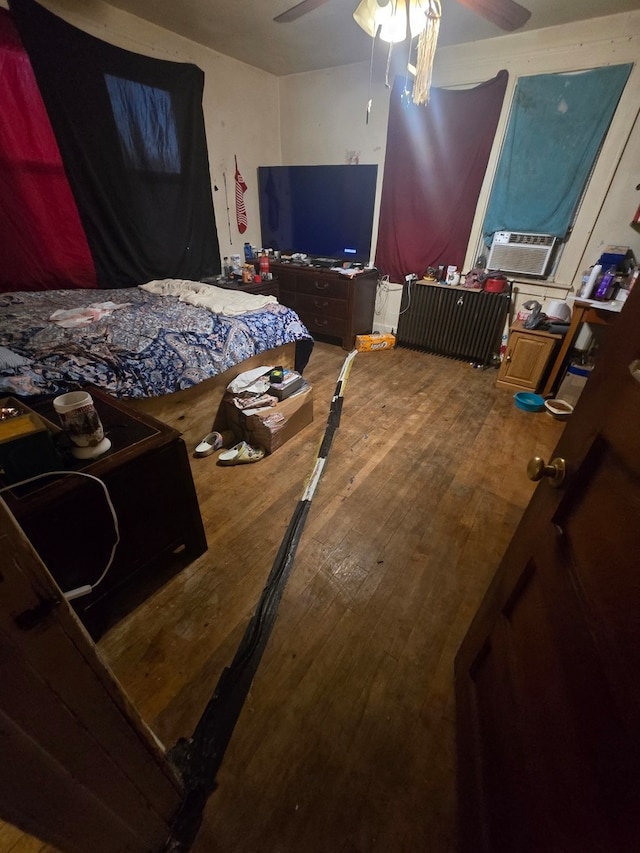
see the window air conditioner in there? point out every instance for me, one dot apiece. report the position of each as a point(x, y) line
point(515, 251)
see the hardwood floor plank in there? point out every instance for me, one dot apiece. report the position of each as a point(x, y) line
point(13, 840)
point(346, 742)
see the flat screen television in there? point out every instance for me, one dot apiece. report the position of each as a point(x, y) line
point(321, 211)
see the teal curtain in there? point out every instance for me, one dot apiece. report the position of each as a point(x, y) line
point(556, 128)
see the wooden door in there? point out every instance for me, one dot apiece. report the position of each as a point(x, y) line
point(548, 676)
point(79, 768)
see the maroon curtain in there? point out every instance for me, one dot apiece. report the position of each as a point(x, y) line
point(42, 241)
point(435, 163)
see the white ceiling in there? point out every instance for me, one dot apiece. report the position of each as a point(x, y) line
point(328, 36)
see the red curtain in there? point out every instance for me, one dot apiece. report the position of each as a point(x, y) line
point(42, 241)
point(435, 163)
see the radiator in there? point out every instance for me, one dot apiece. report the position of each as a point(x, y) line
point(458, 323)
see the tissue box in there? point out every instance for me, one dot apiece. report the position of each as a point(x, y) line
point(369, 343)
point(271, 426)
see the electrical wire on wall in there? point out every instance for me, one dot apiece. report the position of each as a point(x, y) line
point(382, 296)
point(385, 287)
point(408, 305)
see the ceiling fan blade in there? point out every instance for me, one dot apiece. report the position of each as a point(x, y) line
point(506, 14)
point(298, 11)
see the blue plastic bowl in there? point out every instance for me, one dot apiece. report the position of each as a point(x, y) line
point(529, 402)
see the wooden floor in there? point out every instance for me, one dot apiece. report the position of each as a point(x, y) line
point(346, 743)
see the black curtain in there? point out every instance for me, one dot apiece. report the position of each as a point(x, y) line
point(130, 130)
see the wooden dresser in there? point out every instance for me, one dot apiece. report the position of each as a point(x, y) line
point(330, 304)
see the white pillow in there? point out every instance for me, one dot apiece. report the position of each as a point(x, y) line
point(173, 286)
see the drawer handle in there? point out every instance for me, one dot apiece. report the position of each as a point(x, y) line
point(320, 303)
point(321, 285)
point(320, 322)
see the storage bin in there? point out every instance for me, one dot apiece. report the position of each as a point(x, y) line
point(574, 381)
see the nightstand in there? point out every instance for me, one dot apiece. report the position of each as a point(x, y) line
point(265, 288)
point(528, 356)
point(69, 523)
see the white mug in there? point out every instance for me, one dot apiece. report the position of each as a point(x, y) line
point(81, 422)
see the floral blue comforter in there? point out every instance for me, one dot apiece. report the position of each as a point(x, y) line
point(146, 346)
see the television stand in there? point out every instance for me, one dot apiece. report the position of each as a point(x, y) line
point(330, 304)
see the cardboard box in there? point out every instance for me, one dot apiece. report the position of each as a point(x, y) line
point(272, 426)
point(370, 343)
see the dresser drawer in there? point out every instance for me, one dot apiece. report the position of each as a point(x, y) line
point(323, 324)
point(317, 285)
point(322, 305)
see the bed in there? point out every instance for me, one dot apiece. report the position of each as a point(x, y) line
point(162, 346)
point(135, 342)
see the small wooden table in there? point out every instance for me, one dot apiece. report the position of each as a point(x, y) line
point(69, 523)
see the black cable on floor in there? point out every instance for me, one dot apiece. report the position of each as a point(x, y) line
point(199, 757)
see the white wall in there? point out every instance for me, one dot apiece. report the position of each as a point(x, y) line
point(323, 118)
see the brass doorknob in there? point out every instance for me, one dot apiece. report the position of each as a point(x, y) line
point(556, 470)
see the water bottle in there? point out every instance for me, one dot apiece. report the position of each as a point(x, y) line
point(264, 266)
point(588, 286)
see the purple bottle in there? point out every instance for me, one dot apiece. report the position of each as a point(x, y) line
point(605, 288)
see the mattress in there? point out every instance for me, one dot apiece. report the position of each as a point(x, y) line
point(130, 342)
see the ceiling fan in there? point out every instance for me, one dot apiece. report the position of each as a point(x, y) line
point(506, 14)
point(392, 19)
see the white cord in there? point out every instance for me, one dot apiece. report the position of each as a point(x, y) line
point(88, 588)
point(382, 295)
point(385, 287)
point(409, 286)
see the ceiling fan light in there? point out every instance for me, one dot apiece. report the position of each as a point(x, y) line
point(417, 16)
point(394, 29)
point(372, 14)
